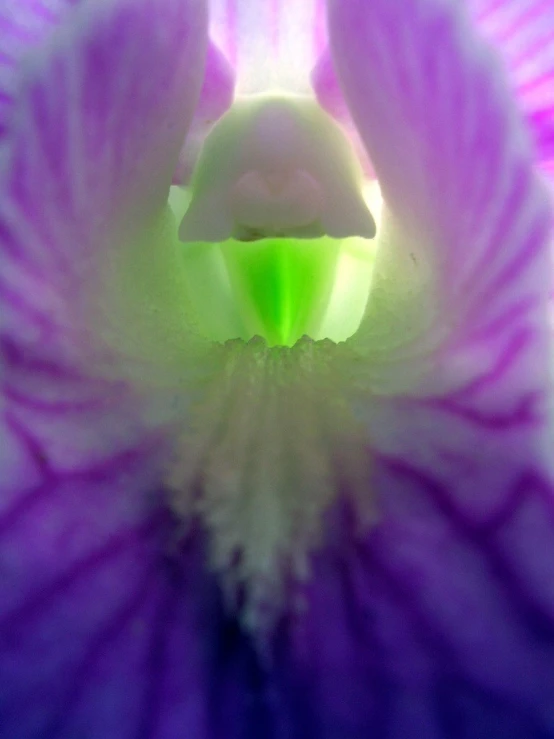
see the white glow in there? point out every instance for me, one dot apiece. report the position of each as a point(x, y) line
point(271, 44)
point(354, 275)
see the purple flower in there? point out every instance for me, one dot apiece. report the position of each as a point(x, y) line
point(211, 536)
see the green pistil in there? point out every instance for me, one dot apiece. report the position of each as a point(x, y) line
point(282, 286)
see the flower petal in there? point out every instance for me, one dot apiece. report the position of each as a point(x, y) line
point(23, 25)
point(447, 597)
point(101, 112)
point(101, 634)
point(329, 95)
point(466, 224)
point(523, 32)
point(427, 628)
point(270, 44)
point(216, 97)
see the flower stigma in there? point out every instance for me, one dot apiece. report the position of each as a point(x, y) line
point(277, 222)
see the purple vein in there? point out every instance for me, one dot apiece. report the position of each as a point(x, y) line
point(155, 664)
point(100, 472)
point(480, 535)
point(97, 644)
point(117, 545)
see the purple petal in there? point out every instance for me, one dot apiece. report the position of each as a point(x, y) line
point(452, 159)
point(100, 116)
point(523, 31)
point(216, 97)
point(24, 24)
point(97, 637)
point(449, 623)
point(427, 629)
point(439, 625)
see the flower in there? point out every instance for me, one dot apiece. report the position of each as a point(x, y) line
point(121, 610)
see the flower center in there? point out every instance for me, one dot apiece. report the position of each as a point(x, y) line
point(277, 231)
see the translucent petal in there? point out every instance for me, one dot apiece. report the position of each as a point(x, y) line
point(101, 112)
point(23, 25)
point(271, 44)
point(466, 223)
point(523, 32)
point(216, 97)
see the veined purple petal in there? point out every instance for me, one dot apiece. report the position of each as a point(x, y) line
point(452, 614)
point(23, 25)
point(454, 165)
point(100, 116)
point(271, 44)
point(101, 110)
point(456, 171)
point(523, 32)
point(97, 637)
point(438, 625)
